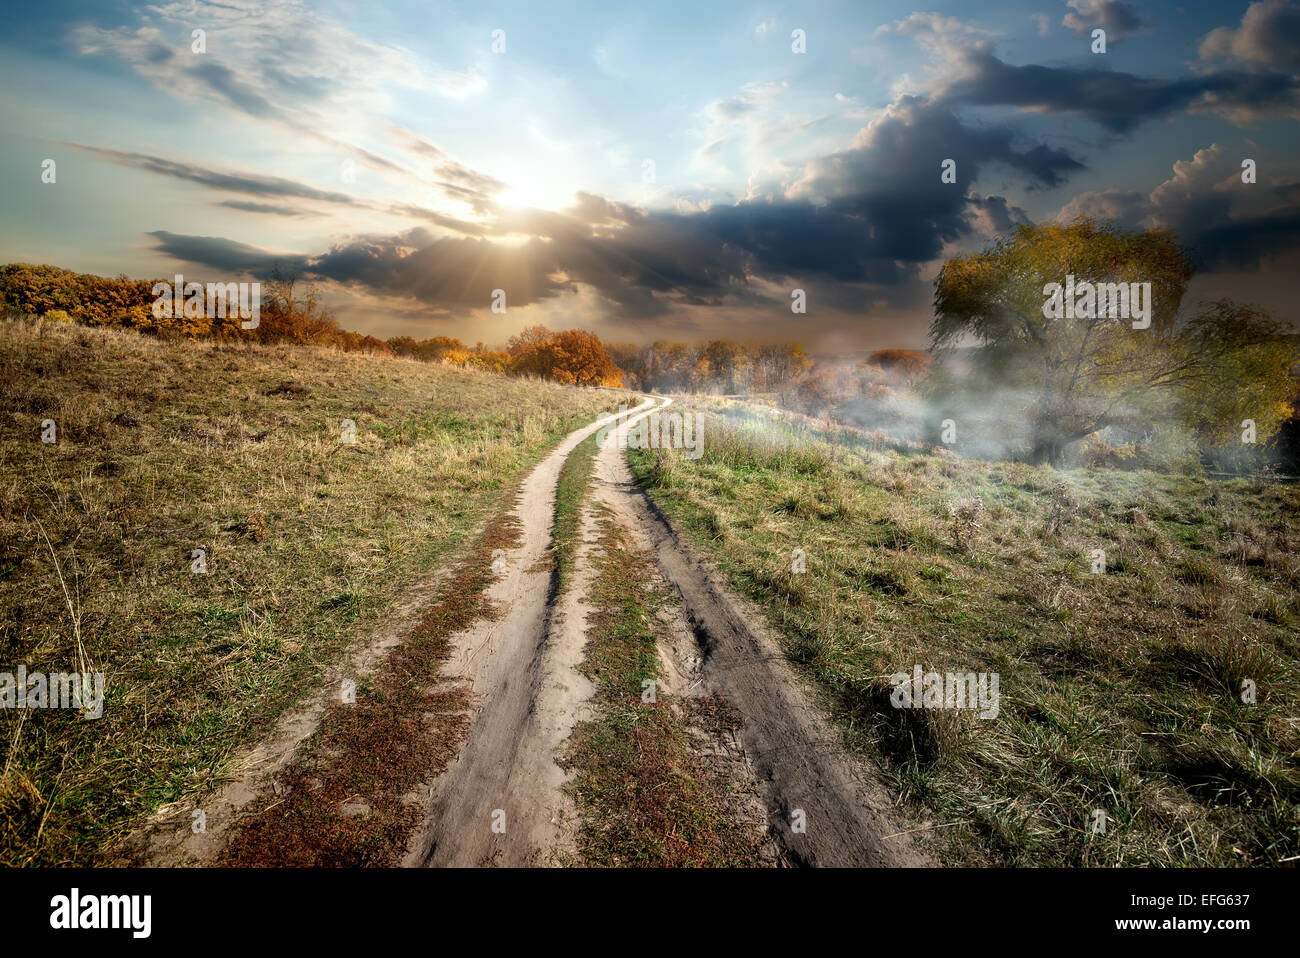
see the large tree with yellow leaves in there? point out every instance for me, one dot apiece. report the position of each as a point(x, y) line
point(1056, 375)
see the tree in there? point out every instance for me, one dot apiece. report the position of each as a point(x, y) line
point(579, 358)
point(404, 346)
point(293, 313)
point(632, 359)
point(530, 352)
point(1061, 379)
point(776, 365)
point(728, 362)
point(575, 357)
point(1244, 370)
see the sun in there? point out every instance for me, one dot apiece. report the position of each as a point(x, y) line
point(530, 187)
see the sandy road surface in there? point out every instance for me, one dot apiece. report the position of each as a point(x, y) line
point(529, 694)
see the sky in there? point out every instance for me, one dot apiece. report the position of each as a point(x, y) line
point(645, 171)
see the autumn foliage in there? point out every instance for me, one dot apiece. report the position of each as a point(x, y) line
point(720, 366)
point(290, 312)
point(574, 357)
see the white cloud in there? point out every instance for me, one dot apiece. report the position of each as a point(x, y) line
point(271, 60)
point(1269, 37)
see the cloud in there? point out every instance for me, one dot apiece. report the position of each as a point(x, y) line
point(252, 184)
point(995, 215)
point(267, 208)
point(466, 184)
point(1243, 244)
point(1227, 224)
point(259, 54)
point(280, 63)
point(739, 132)
point(947, 41)
point(938, 33)
point(1268, 37)
point(847, 223)
point(1117, 101)
point(224, 255)
point(1118, 19)
point(964, 70)
point(248, 183)
point(913, 130)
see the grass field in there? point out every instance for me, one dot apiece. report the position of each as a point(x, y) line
point(1120, 691)
point(166, 448)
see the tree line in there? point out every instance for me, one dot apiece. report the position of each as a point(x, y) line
point(292, 312)
point(720, 366)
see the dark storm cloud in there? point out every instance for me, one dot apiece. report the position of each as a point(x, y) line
point(1116, 101)
point(998, 213)
point(448, 271)
point(224, 255)
point(1226, 225)
point(1243, 244)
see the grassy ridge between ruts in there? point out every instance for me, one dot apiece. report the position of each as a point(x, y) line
point(308, 541)
point(1121, 692)
point(648, 779)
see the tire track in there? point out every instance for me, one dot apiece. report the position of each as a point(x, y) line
point(500, 801)
point(823, 809)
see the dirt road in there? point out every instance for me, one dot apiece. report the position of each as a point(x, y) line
point(501, 802)
point(823, 810)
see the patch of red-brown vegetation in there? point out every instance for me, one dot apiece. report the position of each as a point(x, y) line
point(348, 801)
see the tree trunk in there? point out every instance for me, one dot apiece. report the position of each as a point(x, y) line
point(1047, 451)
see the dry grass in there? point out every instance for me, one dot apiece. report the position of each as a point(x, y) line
point(166, 448)
point(1120, 691)
point(348, 800)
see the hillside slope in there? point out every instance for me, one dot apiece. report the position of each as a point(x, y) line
point(307, 541)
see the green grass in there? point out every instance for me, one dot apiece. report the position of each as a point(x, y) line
point(169, 447)
point(570, 493)
point(1119, 691)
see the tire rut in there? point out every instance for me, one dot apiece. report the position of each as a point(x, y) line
point(846, 815)
point(500, 802)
